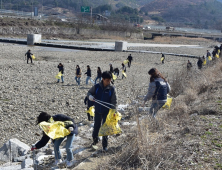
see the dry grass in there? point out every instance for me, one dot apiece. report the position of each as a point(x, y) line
point(174, 139)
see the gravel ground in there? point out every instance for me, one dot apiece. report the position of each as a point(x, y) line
point(26, 89)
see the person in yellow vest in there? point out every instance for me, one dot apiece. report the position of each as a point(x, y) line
point(45, 117)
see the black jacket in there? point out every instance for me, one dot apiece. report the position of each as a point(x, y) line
point(199, 63)
point(88, 102)
point(58, 117)
point(130, 58)
point(88, 73)
point(105, 94)
point(111, 69)
point(61, 68)
point(99, 74)
point(29, 54)
point(78, 71)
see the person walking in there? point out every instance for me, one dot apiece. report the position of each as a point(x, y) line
point(78, 74)
point(208, 56)
point(130, 58)
point(99, 75)
point(29, 56)
point(88, 73)
point(111, 68)
point(157, 91)
point(162, 58)
point(199, 63)
point(69, 125)
point(123, 69)
point(189, 65)
point(106, 93)
point(61, 69)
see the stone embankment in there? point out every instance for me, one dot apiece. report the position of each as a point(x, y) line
point(68, 32)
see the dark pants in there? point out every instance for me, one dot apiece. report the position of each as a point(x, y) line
point(90, 118)
point(28, 59)
point(163, 61)
point(98, 119)
point(129, 63)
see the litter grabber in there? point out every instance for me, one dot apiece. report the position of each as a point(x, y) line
point(104, 102)
point(34, 157)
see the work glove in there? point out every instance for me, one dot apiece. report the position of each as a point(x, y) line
point(33, 148)
point(91, 98)
point(71, 129)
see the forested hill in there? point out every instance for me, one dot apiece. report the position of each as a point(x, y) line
point(74, 5)
point(196, 13)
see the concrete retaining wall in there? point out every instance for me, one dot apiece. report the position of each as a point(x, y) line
point(89, 33)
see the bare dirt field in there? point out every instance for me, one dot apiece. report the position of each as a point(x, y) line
point(27, 89)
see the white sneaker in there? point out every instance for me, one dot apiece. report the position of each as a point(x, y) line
point(70, 163)
point(58, 161)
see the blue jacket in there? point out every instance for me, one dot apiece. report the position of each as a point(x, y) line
point(158, 91)
point(105, 94)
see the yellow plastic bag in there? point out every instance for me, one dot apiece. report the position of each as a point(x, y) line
point(91, 111)
point(111, 126)
point(162, 58)
point(59, 75)
point(124, 74)
point(205, 62)
point(217, 56)
point(209, 58)
point(125, 61)
point(218, 51)
point(114, 76)
point(55, 130)
point(33, 57)
point(168, 103)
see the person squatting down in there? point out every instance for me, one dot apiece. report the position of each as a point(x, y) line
point(72, 127)
point(157, 91)
point(88, 73)
point(105, 93)
point(116, 72)
point(78, 74)
point(29, 56)
point(61, 69)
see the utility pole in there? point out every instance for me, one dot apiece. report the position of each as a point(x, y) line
point(91, 14)
point(42, 8)
point(32, 7)
point(1, 4)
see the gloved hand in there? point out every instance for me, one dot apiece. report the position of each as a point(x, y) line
point(33, 148)
point(71, 129)
point(91, 98)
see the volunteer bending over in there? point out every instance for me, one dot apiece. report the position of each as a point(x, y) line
point(69, 125)
point(157, 91)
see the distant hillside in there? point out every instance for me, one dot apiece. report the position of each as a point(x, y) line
point(163, 5)
point(195, 13)
point(74, 5)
